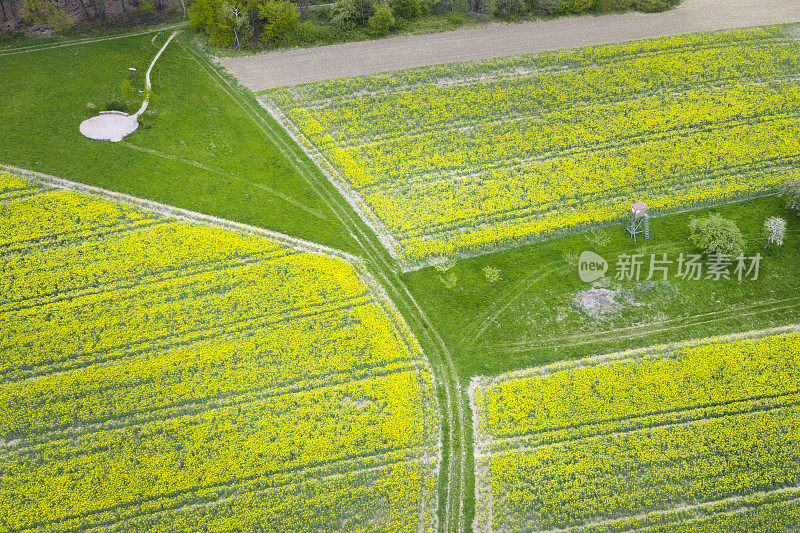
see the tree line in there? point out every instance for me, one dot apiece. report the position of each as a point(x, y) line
point(60, 15)
point(255, 24)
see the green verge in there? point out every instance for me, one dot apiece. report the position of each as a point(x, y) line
point(529, 318)
point(201, 151)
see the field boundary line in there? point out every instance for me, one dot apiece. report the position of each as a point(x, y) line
point(476, 327)
point(483, 454)
point(350, 194)
point(181, 214)
point(507, 442)
point(678, 90)
point(590, 149)
point(89, 233)
point(658, 350)
point(384, 270)
point(299, 472)
point(522, 213)
point(76, 42)
point(301, 476)
point(156, 276)
point(190, 337)
point(499, 75)
point(511, 295)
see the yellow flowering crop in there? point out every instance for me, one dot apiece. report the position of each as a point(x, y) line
point(706, 432)
point(166, 375)
point(462, 159)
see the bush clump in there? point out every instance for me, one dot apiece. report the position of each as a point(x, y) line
point(791, 191)
point(716, 235)
point(382, 21)
point(653, 6)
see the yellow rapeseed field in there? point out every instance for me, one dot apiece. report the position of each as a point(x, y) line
point(461, 159)
point(703, 436)
point(166, 375)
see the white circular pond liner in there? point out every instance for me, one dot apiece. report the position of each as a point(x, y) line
point(109, 126)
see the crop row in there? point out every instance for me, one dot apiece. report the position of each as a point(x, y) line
point(406, 112)
point(523, 65)
point(449, 169)
point(174, 376)
point(47, 273)
point(621, 442)
point(707, 374)
point(218, 446)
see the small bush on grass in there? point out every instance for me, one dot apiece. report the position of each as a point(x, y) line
point(791, 191)
point(716, 235)
point(117, 105)
point(146, 120)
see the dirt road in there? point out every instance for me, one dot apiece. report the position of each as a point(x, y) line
point(292, 67)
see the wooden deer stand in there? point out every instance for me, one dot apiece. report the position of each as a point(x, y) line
point(639, 221)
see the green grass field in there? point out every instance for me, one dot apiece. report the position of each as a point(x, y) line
point(203, 152)
point(528, 316)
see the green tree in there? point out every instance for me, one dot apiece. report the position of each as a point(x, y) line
point(509, 9)
point(280, 21)
point(576, 6)
point(612, 6)
point(492, 274)
point(483, 7)
point(382, 21)
point(46, 13)
point(774, 230)
point(152, 99)
point(145, 7)
point(716, 235)
point(791, 191)
point(598, 237)
point(205, 16)
point(407, 9)
point(449, 280)
point(652, 6)
point(348, 14)
point(240, 23)
point(127, 91)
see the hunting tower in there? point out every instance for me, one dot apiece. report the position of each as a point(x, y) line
point(639, 222)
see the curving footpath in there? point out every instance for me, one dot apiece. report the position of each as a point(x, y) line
point(304, 65)
point(147, 76)
point(114, 126)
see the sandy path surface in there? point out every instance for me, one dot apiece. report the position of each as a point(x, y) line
point(292, 67)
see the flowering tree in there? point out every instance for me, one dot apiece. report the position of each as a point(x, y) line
point(775, 230)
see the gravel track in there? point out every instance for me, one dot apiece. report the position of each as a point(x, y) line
point(304, 65)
